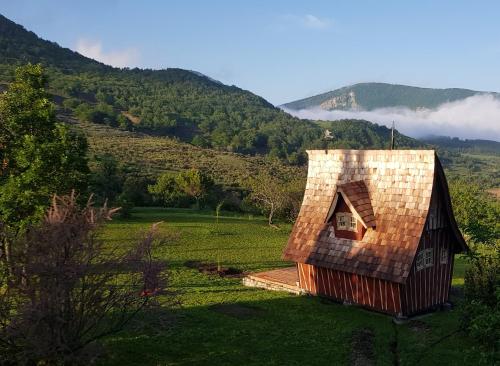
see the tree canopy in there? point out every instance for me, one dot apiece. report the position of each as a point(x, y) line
point(39, 155)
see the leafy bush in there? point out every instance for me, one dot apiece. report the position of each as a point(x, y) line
point(481, 309)
point(476, 212)
point(185, 188)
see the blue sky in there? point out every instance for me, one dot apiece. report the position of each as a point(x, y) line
point(283, 50)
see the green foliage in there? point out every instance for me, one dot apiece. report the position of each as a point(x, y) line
point(106, 179)
point(40, 156)
point(176, 102)
point(194, 184)
point(135, 190)
point(166, 191)
point(476, 212)
point(185, 187)
point(481, 308)
point(359, 134)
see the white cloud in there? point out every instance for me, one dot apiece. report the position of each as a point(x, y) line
point(311, 21)
point(308, 21)
point(128, 57)
point(476, 117)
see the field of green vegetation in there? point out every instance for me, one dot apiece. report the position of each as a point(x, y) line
point(220, 322)
point(149, 156)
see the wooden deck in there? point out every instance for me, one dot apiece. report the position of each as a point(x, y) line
point(283, 279)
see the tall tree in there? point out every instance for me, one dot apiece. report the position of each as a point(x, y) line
point(268, 193)
point(38, 155)
point(193, 183)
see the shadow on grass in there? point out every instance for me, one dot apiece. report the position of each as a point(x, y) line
point(280, 330)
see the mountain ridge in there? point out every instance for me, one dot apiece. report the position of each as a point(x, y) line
point(374, 95)
point(170, 102)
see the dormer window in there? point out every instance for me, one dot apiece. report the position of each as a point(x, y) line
point(353, 224)
point(346, 221)
point(341, 221)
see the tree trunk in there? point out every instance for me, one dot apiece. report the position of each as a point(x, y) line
point(6, 254)
point(271, 213)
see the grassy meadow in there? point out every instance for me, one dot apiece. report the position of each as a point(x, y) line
point(220, 322)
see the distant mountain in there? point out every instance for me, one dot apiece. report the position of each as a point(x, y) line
point(370, 96)
point(186, 105)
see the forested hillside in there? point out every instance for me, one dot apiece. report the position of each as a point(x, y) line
point(465, 146)
point(189, 107)
point(369, 96)
point(171, 102)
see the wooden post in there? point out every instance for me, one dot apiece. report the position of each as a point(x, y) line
point(392, 136)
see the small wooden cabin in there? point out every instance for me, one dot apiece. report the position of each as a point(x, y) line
point(376, 228)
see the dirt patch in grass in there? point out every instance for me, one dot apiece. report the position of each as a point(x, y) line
point(362, 347)
point(237, 310)
point(419, 326)
point(210, 268)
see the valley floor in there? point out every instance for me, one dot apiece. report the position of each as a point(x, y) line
point(221, 322)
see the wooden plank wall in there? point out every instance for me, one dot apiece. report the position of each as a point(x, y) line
point(429, 286)
point(370, 292)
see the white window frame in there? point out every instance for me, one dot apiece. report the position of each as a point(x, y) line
point(444, 256)
point(346, 221)
point(341, 221)
point(353, 223)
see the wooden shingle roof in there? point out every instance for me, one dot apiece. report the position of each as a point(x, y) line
point(398, 184)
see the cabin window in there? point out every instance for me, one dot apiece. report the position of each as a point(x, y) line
point(353, 224)
point(346, 221)
point(428, 258)
point(444, 256)
point(420, 260)
point(341, 221)
point(425, 258)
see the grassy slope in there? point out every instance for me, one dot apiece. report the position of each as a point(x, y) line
point(483, 168)
point(288, 330)
point(151, 155)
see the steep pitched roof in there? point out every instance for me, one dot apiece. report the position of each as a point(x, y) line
point(399, 184)
point(356, 196)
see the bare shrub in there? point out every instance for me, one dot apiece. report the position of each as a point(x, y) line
point(67, 289)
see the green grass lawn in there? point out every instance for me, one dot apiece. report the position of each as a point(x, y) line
point(275, 328)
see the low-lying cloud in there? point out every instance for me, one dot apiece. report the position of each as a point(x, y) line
point(476, 117)
point(128, 57)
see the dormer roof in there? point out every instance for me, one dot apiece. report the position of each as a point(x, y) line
point(356, 196)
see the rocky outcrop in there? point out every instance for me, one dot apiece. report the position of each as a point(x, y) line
point(344, 101)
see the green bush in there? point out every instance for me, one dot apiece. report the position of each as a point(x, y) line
point(480, 310)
